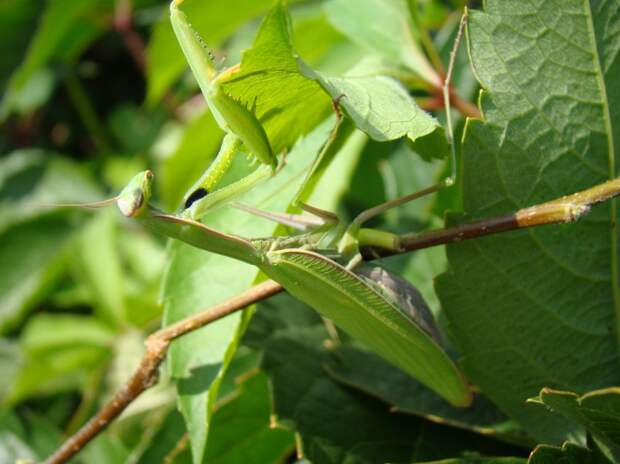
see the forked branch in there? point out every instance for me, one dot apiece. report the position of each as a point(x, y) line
point(562, 210)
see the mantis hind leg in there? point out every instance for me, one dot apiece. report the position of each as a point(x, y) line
point(354, 235)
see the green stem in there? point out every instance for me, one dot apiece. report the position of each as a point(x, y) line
point(87, 114)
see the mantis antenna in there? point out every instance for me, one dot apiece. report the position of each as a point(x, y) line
point(91, 205)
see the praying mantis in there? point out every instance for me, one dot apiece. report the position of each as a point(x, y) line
point(317, 266)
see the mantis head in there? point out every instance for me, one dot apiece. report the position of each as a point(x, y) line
point(134, 198)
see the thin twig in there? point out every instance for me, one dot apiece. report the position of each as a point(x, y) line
point(450, 96)
point(562, 210)
point(146, 374)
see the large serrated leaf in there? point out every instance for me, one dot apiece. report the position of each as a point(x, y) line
point(536, 308)
point(569, 453)
point(270, 83)
point(598, 411)
point(362, 370)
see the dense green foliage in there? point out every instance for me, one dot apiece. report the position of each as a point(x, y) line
point(94, 91)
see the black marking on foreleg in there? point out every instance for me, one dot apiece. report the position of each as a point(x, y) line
point(195, 196)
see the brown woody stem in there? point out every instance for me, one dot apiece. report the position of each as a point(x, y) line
point(145, 375)
point(562, 210)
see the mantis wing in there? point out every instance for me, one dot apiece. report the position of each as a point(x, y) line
point(370, 316)
point(406, 297)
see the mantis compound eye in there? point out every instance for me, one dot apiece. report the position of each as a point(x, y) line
point(134, 197)
point(195, 196)
point(131, 203)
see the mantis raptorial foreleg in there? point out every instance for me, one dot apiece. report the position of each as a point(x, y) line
point(240, 124)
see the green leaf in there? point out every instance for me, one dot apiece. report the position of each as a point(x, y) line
point(17, 21)
point(370, 374)
point(14, 439)
point(479, 460)
point(10, 362)
point(269, 82)
point(241, 429)
point(165, 61)
point(31, 257)
point(65, 28)
point(598, 411)
point(106, 449)
point(196, 279)
point(383, 27)
point(383, 109)
point(53, 331)
point(536, 308)
point(144, 260)
point(569, 453)
point(166, 438)
point(322, 46)
point(57, 369)
point(99, 267)
point(32, 181)
point(33, 236)
point(58, 352)
point(135, 129)
point(338, 424)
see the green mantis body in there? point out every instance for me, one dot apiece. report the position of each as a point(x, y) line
point(238, 122)
point(299, 263)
